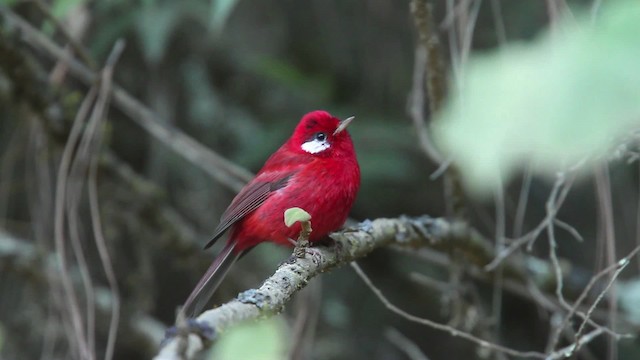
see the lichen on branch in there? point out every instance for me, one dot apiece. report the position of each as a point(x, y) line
point(350, 244)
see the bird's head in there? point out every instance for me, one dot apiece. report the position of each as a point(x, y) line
point(320, 134)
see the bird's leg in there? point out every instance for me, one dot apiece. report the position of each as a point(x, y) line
point(303, 240)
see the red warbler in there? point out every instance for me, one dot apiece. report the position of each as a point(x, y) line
point(316, 170)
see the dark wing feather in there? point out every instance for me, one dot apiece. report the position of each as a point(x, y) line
point(249, 199)
point(207, 285)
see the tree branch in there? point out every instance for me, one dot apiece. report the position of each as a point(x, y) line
point(350, 244)
point(430, 73)
point(221, 169)
point(23, 259)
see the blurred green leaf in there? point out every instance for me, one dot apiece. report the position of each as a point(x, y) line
point(629, 295)
point(565, 98)
point(155, 27)
point(60, 8)
point(263, 340)
point(203, 101)
point(294, 215)
point(220, 11)
point(290, 76)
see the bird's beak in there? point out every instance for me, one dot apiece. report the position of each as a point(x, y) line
point(343, 124)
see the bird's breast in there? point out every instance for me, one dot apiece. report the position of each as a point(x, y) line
point(326, 190)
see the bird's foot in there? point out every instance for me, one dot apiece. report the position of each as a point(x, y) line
point(301, 248)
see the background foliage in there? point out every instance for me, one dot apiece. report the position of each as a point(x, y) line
point(237, 76)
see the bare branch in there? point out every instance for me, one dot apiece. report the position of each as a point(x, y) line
point(290, 277)
point(75, 45)
point(219, 168)
point(417, 106)
point(59, 228)
point(446, 328)
point(405, 344)
point(95, 135)
point(350, 244)
point(25, 259)
point(557, 197)
point(605, 206)
point(430, 60)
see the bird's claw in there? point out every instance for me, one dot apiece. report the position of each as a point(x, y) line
point(301, 249)
point(299, 253)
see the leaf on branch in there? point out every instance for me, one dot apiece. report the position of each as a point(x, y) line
point(294, 215)
point(568, 97)
point(629, 293)
point(267, 339)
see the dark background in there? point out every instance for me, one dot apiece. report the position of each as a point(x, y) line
point(239, 85)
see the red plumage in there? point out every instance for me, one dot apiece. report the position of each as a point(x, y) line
point(316, 170)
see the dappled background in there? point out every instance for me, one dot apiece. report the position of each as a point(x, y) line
point(236, 76)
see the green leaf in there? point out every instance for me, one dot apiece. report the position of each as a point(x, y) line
point(294, 215)
point(629, 295)
point(263, 340)
point(291, 77)
point(155, 27)
point(568, 97)
point(61, 8)
point(219, 13)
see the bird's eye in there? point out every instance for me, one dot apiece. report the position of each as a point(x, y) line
point(317, 143)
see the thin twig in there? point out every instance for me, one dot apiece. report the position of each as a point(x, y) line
point(557, 197)
point(73, 190)
point(569, 228)
point(59, 232)
point(501, 225)
point(523, 199)
point(405, 345)
point(219, 168)
point(637, 235)
point(79, 167)
point(77, 47)
point(469, 26)
point(565, 352)
point(428, 71)
point(620, 266)
point(308, 305)
point(605, 205)
point(498, 19)
point(417, 105)
point(616, 268)
point(441, 327)
point(28, 258)
point(101, 113)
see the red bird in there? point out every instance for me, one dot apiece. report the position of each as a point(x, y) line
point(316, 170)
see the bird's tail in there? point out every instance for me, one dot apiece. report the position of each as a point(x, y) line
point(211, 280)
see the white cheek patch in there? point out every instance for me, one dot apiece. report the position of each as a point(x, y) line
point(315, 146)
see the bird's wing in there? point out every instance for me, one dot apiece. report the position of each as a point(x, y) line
point(250, 198)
